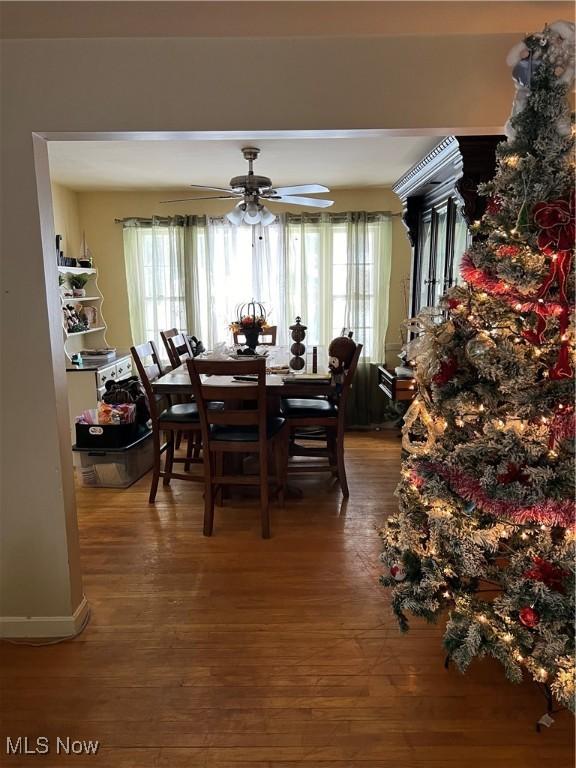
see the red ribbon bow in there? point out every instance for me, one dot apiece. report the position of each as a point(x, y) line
point(556, 222)
point(556, 239)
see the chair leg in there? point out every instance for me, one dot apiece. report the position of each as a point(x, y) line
point(219, 470)
point(208, 495)
point(197, 445)
point(280, 461)
point(156, 466)
point(332, 447)
point(189, 450)
point(169, 463)
point(341, 464)
point(264, 505)
point(178, 439)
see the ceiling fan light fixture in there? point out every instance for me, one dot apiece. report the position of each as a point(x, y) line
point(266, 216)
point(236, 215)
point(252, 215)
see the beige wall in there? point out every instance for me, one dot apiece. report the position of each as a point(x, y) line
point(98, 210)
point(67, 219)
point(430, 83)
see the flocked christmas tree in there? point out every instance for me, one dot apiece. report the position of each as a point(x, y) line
point(484, 537)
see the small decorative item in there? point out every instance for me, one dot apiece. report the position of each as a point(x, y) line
point(250, 322)
point(59, 253)
point(78, 282)
point(340, 354)
point(85, 259)
point(89, 315)
point(298, 349)
point(72, 321)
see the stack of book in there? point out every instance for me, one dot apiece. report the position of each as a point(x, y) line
point(98, 356)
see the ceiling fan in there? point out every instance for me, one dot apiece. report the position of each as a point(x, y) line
point(251, 190)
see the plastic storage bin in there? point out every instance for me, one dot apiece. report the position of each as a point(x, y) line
point(116, 467)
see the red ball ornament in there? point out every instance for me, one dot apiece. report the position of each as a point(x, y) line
point(529, 617)
point(397, 572)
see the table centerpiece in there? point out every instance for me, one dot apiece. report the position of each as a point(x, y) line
point(250, 322)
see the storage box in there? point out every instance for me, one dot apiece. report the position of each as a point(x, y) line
point(116, 467)
point(109, 435)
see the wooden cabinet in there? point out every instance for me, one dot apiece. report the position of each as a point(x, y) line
point(397, 389)
point(440, 200)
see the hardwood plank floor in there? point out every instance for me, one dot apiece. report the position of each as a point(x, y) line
point(235, 652)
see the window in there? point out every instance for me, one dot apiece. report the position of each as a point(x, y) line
point(331, 270)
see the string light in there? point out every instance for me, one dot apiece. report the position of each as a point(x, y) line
point(508, 637)
point(482, 619)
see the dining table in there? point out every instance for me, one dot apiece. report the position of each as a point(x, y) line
point(278, 385)
point(176, 382)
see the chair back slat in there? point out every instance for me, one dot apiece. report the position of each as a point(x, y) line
point(241, 393)
point(177, 346)
point(148, 372)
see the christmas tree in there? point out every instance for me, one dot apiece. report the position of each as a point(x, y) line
point(484, 536)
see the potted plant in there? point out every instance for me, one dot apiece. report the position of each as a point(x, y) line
point(65, 289)
point(78, 282)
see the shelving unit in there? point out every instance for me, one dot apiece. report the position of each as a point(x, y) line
point(87, 382)
point(91, 338)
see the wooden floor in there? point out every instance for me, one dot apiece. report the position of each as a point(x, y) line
point(235, 652)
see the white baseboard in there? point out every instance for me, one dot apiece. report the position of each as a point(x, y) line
point(45, 626)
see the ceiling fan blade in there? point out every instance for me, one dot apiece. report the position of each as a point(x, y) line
point(215, 189)
point(302, 189)
point(192, 199)
point(313, 202)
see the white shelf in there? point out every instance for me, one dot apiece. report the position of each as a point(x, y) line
point(90, 330)
point(68, 299)
point(77, 270)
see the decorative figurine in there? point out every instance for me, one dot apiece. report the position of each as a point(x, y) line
point(298, 349)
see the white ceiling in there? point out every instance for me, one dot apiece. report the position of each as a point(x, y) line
point(336, 162)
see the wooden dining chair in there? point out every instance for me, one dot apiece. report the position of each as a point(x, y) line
point(328, 416)
point(266, 337)
point(242, 427)
point(177, 346)
point(178, 417)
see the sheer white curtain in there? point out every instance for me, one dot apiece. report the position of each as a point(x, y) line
point(191, 273)
point(230, 265)
point(155, 269)
point(338, 268)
